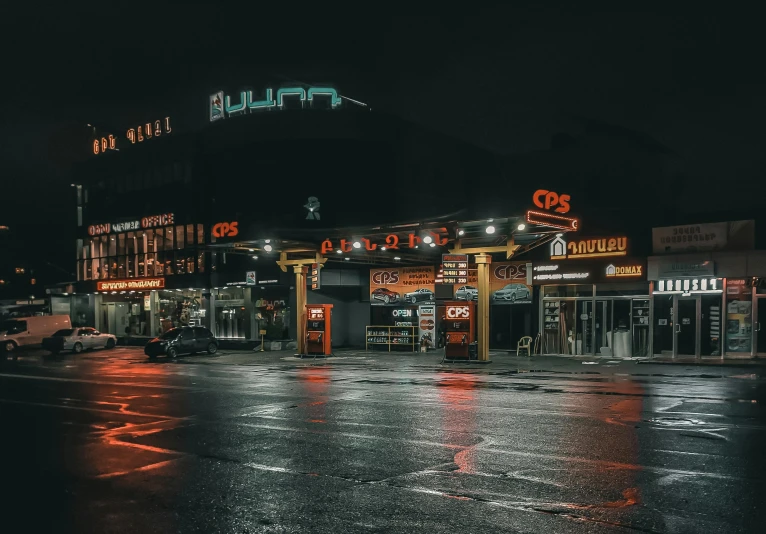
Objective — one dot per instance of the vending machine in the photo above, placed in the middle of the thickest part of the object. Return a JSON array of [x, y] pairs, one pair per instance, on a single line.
[[460, 329], [318, 329]]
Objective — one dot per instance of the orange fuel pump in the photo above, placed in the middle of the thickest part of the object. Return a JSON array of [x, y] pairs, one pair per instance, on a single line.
[[319, 329], [460, 329]]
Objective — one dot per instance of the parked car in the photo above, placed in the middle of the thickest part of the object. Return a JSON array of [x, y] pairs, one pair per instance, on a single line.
[[512, 292], [78, 340], [466, 293], [419, 295], [29, 331], [386, 295], [183, 340]]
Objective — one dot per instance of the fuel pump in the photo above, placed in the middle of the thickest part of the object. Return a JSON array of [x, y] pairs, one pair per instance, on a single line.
[[460, 319], [318, 329]]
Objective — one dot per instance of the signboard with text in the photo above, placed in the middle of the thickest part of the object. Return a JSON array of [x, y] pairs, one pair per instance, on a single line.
[[582, 272], [402, 285], [455, 268], [133, 284]]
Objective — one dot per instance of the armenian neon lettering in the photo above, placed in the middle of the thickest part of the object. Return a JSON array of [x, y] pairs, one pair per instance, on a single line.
[[438, 237], [222, 105]]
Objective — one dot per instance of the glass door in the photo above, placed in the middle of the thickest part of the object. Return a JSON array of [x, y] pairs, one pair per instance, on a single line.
[[686, 327], [662, 330], [583, 342], [760, 335], [603, 328]]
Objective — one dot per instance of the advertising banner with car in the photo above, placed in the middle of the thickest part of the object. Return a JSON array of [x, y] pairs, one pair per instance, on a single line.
[[507, 284], [402, 285]]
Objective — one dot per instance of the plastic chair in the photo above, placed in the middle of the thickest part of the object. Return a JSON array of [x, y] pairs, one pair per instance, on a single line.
[[524, 343]]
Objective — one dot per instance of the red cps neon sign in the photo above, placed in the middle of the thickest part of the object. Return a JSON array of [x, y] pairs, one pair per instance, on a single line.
[[458, 312], [548, 199]]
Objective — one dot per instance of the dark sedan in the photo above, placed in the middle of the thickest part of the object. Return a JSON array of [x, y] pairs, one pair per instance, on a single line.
[[184, 340]]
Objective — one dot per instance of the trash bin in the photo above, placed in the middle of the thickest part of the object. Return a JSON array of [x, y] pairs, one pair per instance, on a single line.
[[473, 351]]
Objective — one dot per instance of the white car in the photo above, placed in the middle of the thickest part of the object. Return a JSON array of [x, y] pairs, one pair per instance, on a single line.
[[78, 340], [512, 292], [466, 293]]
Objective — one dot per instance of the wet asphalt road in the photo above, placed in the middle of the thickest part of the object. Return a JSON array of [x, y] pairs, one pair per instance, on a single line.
[[108, 442]]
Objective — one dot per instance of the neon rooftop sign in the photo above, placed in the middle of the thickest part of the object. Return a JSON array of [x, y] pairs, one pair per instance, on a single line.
[[221, 105]]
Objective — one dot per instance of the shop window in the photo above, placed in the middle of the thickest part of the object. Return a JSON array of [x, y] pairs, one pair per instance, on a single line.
[[169, 267], [232, 319], [179, 237], [180, 260], [121, 270], [739, 317], [568, 291], [200, 261], [213, 261], [112, 267], [190, 235], [112, 246], [200, 234], [181, 308], [121, 246]]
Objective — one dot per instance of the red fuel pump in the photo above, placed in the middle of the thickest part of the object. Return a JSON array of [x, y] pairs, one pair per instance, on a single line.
[[460, 329], [318, 329]]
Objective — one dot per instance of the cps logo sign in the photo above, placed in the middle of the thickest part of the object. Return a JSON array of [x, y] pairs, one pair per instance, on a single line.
[[514, 271], [225, 229], [458, 312], [382, 278], [548, 199]]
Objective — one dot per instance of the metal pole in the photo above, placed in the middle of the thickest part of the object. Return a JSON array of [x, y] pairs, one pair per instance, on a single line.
[[483, 262], [300, 303]]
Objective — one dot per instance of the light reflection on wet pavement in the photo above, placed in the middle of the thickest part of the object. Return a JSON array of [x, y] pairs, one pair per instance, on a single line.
[[113, 444]]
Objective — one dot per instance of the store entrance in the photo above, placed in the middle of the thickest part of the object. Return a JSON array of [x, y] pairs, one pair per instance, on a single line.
[[687, 326]]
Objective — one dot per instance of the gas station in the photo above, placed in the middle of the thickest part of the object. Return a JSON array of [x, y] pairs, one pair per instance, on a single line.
[[477, 241]]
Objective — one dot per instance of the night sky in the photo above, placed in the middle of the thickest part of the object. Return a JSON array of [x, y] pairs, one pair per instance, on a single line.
[[505, 79]]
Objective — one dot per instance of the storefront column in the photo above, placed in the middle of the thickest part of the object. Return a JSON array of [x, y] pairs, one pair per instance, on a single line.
[[483, 262], [154, 304], [300, 304]]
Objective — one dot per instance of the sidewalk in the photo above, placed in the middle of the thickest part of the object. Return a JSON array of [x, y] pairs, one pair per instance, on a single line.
[[501, 362]]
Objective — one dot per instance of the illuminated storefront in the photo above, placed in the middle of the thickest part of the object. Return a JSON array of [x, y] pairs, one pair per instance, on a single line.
[[597, 307]]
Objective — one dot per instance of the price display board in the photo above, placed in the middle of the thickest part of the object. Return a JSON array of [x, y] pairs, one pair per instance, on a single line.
[[455, 268]]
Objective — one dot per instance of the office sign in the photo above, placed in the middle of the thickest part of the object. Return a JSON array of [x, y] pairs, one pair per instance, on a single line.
[[689, 286], [153, 221]]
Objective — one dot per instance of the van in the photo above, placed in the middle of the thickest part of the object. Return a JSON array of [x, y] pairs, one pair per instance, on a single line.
[[30, 331]]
